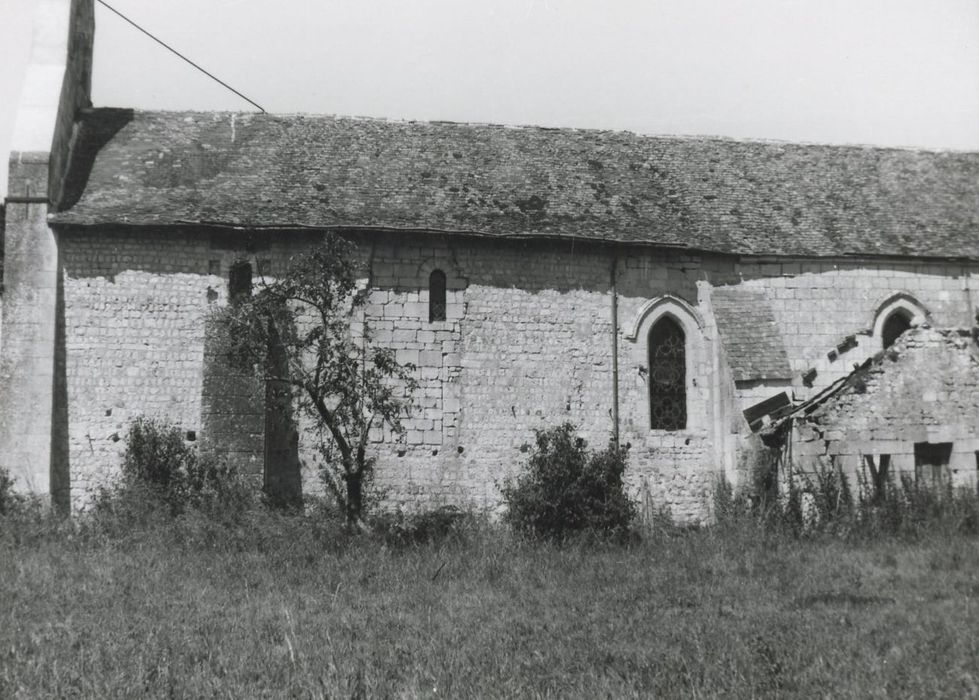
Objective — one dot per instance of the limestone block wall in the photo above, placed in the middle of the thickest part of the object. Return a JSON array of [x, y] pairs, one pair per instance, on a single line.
[[526, 343], [925, 389], [28, 430], [136, 319], [135, 313], [818, 304], [33, 443]]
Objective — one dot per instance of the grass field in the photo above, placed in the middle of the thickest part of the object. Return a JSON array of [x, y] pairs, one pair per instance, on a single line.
[[189, 610]]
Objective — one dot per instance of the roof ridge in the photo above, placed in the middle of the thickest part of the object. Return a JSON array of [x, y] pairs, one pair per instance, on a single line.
[[703, 138]]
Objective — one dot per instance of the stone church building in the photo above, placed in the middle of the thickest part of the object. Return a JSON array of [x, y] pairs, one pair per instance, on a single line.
[[675, 294]]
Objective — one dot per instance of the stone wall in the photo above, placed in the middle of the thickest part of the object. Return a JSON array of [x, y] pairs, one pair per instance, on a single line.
[[33, 439], [817, 305], [526, 343], [924, 389]]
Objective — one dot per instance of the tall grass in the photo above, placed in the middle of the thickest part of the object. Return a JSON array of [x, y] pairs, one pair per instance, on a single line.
[[267, 604], [273, 605], [822, 502], [823, 592]]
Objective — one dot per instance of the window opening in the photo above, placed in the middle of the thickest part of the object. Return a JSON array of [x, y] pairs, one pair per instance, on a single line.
[[240, 281], [667, 376], [436, 296], [931, 462], [894, 326]]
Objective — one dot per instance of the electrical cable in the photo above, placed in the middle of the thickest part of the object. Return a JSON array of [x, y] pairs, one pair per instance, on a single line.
[[174, 51]]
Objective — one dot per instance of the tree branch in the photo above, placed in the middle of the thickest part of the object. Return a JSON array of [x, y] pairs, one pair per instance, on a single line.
[[332, 426]]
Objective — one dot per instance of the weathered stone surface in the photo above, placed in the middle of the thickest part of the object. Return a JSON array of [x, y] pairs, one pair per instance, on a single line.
[[926, 389], [526, 344]]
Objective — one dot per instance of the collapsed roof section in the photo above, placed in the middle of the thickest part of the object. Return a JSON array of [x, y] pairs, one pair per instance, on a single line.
[[925, 378]]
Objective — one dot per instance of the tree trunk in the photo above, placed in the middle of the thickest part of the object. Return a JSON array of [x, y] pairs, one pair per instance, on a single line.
[[355, 498], [283, 470]]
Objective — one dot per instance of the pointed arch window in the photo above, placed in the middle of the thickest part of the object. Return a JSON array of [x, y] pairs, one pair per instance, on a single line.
[[667, 376], [436, 296], [894, 326]]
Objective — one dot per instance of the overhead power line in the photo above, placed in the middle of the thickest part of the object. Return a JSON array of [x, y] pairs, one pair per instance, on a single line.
[[177, 53]]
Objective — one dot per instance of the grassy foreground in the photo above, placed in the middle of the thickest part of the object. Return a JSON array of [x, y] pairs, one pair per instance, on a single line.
[[268, 611]]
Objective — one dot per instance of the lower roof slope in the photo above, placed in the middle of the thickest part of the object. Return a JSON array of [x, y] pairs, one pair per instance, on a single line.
[[738, 197], [749, 334]]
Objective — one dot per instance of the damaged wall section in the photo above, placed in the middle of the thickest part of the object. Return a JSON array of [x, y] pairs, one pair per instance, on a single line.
[[909, 405]]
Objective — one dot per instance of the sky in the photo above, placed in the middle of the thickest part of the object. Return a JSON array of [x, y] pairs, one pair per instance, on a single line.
[[885, 72]]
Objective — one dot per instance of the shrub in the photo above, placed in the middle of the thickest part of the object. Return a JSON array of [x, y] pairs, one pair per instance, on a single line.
[[159, 465], [566, 489]]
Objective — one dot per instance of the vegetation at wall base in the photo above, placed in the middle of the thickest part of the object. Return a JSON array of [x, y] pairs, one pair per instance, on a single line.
[[566, 489], [162, 472], [822, 502]]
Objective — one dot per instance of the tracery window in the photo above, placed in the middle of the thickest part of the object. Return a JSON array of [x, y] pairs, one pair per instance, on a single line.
[[667, 376], [436, 296]]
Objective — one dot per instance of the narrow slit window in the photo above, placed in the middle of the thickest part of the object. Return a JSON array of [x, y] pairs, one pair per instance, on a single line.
[[667, 376], [436, 296], [240, 281]]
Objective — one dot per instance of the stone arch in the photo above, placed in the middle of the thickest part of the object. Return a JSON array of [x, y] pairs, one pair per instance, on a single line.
[[650, 312], [896, 311], [436, 295], [454, 279], [690, 324], [450, 286]]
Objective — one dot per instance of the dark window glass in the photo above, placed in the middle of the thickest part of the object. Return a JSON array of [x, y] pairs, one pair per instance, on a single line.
[[436, 296], [895, 325], [240, 281], [667, 376]]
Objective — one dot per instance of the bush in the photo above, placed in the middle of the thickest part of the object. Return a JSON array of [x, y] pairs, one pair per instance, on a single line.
[[159, 466], [567, 489]]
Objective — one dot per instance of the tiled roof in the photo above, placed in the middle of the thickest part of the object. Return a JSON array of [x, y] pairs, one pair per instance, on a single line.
[[749, 334], [740, 197]]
